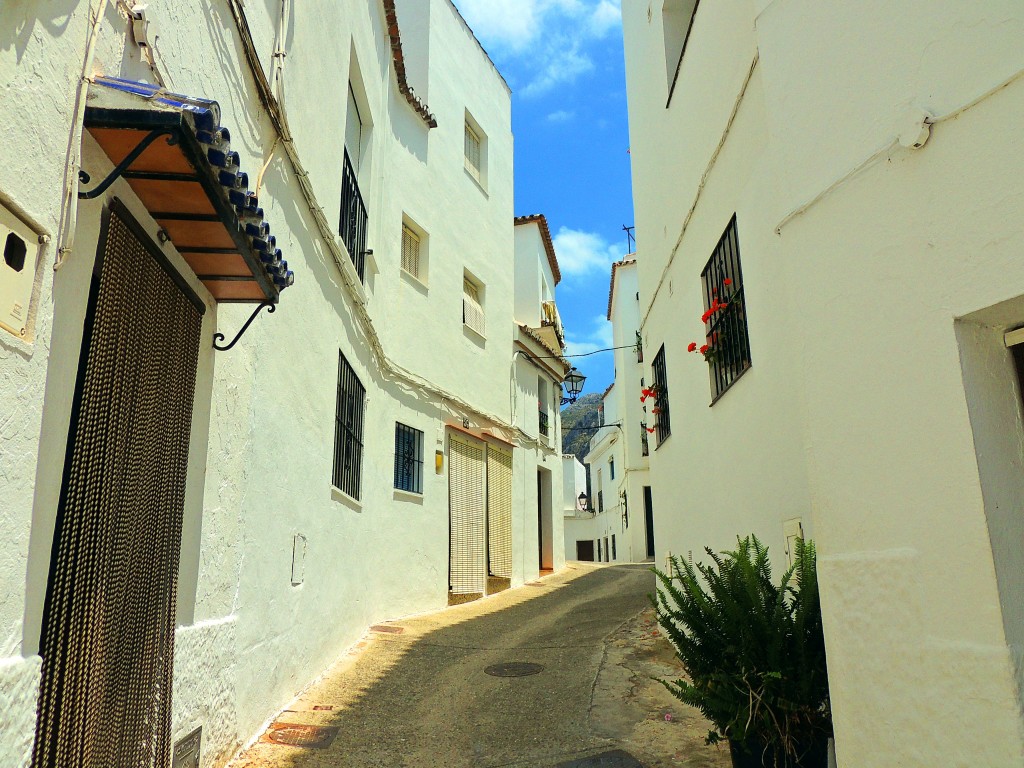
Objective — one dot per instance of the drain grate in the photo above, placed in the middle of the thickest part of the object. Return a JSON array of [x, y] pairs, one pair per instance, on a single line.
[[299, 735], [514, 669]]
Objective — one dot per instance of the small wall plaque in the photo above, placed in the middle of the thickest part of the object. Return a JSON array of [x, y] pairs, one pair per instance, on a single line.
[[186, 750]]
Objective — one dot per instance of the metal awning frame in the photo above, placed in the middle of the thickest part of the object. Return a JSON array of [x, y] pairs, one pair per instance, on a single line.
[[173, 124]]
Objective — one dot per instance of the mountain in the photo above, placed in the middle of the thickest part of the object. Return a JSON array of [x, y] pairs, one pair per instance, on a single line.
[[576, 419]]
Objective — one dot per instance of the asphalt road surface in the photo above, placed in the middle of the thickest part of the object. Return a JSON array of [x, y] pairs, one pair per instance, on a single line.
[[422, 697]]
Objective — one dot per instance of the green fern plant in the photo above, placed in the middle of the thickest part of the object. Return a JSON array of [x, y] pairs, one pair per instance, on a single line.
[[753, 651]]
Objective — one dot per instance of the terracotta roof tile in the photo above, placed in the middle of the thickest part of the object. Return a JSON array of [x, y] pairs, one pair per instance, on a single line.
[[420, 108], [545, 235]]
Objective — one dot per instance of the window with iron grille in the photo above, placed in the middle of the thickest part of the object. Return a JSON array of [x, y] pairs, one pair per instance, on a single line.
[[727, 337], [408, 459], [611, 469], [662, 423], [348, 430]]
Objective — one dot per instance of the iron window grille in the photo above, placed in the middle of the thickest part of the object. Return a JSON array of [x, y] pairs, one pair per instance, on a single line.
[[662, 422], [600, 501], [352, 226], [645, 448], [542, 420], [408, 459], [611, 469], [727, 335], [348, 430]]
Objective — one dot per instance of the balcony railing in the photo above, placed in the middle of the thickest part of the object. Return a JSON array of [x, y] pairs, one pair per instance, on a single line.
[[352, 227]]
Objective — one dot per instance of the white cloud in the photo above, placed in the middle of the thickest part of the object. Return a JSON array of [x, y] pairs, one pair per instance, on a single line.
[[582, 252], [561, 116], [597, 336], [502, 23], [561, 67], [548, 37]]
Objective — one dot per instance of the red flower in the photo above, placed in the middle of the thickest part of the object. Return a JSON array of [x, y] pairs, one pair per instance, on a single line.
[[727, 281], [704, 349], [722, 306], [650, 429], [692, 347], [655, 411], [705, 316]]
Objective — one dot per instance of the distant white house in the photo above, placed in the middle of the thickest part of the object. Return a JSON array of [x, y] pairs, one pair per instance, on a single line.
[[326, 195], [829, 200]]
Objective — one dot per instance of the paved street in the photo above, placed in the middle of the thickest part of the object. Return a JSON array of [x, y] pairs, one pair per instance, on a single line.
[[422, 697]]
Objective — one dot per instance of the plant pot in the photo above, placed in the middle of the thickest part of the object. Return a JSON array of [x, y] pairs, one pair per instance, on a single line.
[[753, 754]]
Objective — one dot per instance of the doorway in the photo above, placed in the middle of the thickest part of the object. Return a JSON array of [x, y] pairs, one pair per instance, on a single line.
[[108, 625], [649, 520], [545, 533]]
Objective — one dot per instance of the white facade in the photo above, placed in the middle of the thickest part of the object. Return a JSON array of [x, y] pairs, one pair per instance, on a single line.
[[278, 570], [868, 154], [536, 398], [634, 414]]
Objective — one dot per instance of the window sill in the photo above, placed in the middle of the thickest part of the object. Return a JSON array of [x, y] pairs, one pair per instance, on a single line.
[[341, 497], [732, 383], [419, 284], [414, 498], [476, 180]]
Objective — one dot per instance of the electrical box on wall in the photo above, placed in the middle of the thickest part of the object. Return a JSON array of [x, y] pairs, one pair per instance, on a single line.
[[20, 247]]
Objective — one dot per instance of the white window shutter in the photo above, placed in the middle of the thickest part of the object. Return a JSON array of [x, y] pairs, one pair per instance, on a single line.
[[410, 252]]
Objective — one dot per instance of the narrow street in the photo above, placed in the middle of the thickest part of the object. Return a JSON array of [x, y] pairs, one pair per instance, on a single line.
[[417, 694]]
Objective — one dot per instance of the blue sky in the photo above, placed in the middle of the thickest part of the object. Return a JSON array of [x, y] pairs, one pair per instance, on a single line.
[[563, 60]]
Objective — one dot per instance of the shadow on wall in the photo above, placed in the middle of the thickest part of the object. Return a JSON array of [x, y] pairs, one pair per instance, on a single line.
[[18, 19]]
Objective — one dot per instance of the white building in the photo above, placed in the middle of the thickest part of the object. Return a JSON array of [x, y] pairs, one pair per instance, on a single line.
[[222, 524], [634, 413], [863, 162]]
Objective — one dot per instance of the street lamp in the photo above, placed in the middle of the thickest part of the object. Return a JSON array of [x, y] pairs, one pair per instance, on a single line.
[[573, 385], [583, 503]]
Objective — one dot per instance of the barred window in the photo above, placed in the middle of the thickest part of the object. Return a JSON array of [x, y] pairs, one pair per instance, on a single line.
[[348, 430], [662, 423], [408, 459], [726, 329]]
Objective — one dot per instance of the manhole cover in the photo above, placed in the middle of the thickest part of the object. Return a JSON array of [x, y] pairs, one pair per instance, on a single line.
[[299, 735], [514, 669]]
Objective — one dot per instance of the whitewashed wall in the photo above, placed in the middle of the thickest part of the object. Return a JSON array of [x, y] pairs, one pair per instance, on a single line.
[[629, 373], [858, 256], [250, 639]]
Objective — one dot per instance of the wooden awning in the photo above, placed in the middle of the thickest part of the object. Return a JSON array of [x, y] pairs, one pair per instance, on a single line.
[[176, 156]]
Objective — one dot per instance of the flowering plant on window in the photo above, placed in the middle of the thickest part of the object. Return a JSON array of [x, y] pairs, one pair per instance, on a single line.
[[712, 347], [646, 392]]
